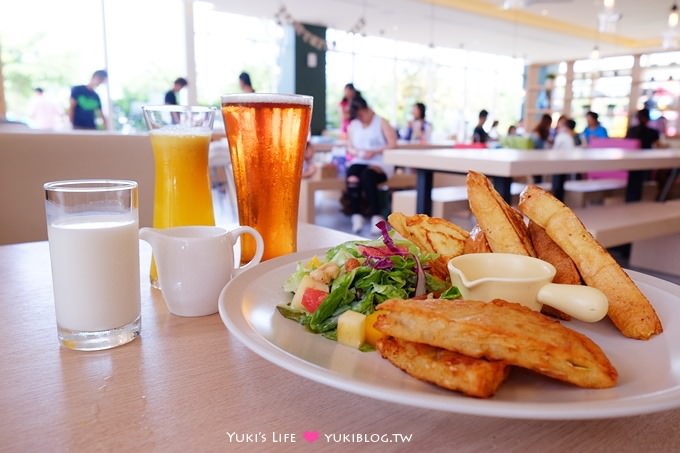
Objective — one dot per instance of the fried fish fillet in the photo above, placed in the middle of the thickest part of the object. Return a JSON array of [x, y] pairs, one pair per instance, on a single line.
[[431, 235], [503, 228], [476, 242], [629, 309], [500, 330], [473, 377]]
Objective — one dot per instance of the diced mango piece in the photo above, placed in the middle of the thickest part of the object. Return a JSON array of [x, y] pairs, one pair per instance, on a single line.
[[351, 328], [313, 263], [306, 282], [372, 335]]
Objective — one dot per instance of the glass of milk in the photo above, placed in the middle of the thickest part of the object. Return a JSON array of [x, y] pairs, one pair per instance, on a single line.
[[92, 226]]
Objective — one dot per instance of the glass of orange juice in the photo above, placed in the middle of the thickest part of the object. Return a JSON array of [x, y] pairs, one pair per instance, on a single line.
[[180, 139]]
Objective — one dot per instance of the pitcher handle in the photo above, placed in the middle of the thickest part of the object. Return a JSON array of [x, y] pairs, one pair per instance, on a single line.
[[582, 302], [259, 250]]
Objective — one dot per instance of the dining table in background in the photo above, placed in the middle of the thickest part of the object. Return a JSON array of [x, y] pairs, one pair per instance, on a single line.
[[505, 164], [187, 384]]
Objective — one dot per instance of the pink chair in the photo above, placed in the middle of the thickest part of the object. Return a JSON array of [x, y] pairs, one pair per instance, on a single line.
[[621, 143], [469, 146]]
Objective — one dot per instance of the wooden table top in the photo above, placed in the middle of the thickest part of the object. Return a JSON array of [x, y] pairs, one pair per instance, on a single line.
[[186, 384], [513, 162]]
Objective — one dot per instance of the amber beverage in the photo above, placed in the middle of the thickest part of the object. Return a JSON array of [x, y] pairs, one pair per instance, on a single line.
[[267, 134]]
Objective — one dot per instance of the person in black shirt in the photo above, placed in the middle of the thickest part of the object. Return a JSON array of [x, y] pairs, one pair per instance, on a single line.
[[479, 135], [85, 103], [171, 95], [649, 138], [245, 83]]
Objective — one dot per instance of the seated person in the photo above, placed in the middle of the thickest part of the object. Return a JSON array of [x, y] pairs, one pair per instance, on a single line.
[[368, 136], [594, 128], [649, 138], [308, 166], [479, 135], [419, 130], [565, 138]]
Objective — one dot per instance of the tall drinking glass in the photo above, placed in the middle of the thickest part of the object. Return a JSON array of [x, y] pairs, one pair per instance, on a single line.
[[92, 227], [267, 134], [180, 138]]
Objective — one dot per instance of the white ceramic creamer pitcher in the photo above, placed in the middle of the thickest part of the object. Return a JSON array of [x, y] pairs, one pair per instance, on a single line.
[[195, 263], [524, 280]]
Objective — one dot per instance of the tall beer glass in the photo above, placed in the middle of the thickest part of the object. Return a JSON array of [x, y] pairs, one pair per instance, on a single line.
[[267, 135], [180, 138]]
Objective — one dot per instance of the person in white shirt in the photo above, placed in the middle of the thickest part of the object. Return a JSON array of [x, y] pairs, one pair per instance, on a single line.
[[368, 136], [565, 138], [43, 112]]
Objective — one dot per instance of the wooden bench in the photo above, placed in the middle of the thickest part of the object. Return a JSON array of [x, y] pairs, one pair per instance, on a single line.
[[579, 194], [659, 254], [309, 187], [446, 200], [631, 222]]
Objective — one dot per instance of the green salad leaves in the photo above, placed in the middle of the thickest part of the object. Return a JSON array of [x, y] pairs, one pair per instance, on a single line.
[[370, 272]]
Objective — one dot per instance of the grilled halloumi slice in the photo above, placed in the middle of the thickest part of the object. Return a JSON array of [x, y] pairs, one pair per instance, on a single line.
[[431, 235]]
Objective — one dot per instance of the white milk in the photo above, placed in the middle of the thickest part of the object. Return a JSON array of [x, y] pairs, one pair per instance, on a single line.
[[95, 272]]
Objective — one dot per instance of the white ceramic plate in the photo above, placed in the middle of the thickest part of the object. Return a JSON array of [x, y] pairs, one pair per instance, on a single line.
[[649, 371]]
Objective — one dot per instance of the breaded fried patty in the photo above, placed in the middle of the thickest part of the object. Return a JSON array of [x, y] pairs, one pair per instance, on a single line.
[[473, 377], [500, 330]]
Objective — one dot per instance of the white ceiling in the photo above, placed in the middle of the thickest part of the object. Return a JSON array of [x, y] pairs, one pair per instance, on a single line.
[[440, 22]]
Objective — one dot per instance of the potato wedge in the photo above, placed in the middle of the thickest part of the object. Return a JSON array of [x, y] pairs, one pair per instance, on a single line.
[[431, 235], [547, 250], [503, 227], [476, 242], [629, 309]]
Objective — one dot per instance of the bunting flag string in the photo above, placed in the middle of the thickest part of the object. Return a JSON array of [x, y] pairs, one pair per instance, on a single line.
[[283, 16]]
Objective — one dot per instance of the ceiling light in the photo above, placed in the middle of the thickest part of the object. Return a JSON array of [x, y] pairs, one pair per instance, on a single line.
[[673, 16], [670, 39], [513, 4], [607, 21], [609, 4], [595, 53]]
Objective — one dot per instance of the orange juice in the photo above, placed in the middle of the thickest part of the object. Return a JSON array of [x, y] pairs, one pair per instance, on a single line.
[[182, 193]]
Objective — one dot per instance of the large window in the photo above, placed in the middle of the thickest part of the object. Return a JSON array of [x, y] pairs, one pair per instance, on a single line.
[[227, 44], [142, 43], [48, 45], [146, 53], [453, 83], [55, 45]]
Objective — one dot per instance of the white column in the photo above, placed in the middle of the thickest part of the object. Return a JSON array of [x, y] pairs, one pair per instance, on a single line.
[[108, 109], [3, 105], [190, 51]]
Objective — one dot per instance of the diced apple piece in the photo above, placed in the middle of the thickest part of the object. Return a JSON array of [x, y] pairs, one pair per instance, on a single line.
[[306, 282], [351, 328]]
